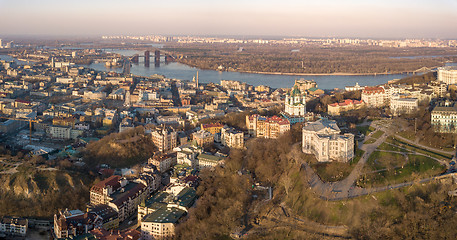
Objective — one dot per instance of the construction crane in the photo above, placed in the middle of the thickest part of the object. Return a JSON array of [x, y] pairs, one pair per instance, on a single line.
[[24, 120]]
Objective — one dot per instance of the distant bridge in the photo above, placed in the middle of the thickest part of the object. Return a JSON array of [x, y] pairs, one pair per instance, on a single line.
[[157, 53]]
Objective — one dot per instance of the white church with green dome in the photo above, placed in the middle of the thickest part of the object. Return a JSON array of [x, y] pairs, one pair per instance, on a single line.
[[295, 106]]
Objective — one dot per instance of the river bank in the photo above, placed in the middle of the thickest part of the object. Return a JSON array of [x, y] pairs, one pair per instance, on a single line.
[[299, 74]]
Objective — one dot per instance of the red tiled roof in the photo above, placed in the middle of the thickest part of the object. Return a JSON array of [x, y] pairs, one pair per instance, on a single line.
[[22, 101], [112, 181], [279, 120], [370, 90], [346, 103]]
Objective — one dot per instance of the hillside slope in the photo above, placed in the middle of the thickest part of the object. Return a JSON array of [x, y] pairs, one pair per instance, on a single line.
[[40, 193]]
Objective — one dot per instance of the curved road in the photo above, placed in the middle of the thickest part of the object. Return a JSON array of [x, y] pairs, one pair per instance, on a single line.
[[345, 188]]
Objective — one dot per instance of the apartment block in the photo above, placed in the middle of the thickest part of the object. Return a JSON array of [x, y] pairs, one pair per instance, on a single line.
[[230, 137], [266, 127], [164, 138]]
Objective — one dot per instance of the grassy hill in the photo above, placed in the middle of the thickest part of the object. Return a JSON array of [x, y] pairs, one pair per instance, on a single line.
[[120, 149], [40, 193]]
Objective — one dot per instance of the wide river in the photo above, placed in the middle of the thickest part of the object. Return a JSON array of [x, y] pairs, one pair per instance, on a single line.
[[182, 71], [185, 72]]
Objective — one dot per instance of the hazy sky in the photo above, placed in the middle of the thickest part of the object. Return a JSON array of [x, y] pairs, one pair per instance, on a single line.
[[341, 18]]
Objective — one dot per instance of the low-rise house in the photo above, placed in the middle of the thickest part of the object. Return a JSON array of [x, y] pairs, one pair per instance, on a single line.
[[208, 161], [14, 226], [163, 162], [74, 223], [187, 155], [203, 138], [213, 128]]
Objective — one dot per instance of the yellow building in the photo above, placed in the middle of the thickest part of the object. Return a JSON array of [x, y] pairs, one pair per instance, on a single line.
[[62, 121], [348, 104], [213, 128]]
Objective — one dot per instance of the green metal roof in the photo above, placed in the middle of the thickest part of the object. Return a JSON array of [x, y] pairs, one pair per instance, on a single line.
[[296, 91], [210, 158], [165, 215]]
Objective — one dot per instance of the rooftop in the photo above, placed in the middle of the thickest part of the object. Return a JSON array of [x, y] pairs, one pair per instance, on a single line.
[[130, 190], [209, 157], [165, 215], [112, 181], [321, 124]]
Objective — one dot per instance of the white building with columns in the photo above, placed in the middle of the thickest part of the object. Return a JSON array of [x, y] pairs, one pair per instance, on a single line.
[[447, 75], [323, 139]]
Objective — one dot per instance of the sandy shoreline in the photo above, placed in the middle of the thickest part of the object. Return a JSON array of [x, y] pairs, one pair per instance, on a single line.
[[302, 74], [319, 74]]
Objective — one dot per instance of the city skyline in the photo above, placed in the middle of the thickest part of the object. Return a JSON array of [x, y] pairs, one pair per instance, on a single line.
[[329, 18]]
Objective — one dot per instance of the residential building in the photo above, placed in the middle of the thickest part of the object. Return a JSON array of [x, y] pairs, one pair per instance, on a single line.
[[232, 138], [14, 226], [74, 223], [444, 117], [213, 128], [400, 105], [195, 157], [65, 122], [126, 200], [163, 162], [323, 139], [100, 192], [439, 88], [266, 127], [304, 85], [187, 155], [120, 194], [109, 216], [126, 124], [203, 138], [447, 75], [234, 85], [347, 105], [10, 126], [59, 132], [164, 138], [208, 161], [161, 223], [183, 198], [263, 88], [374, 96]]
